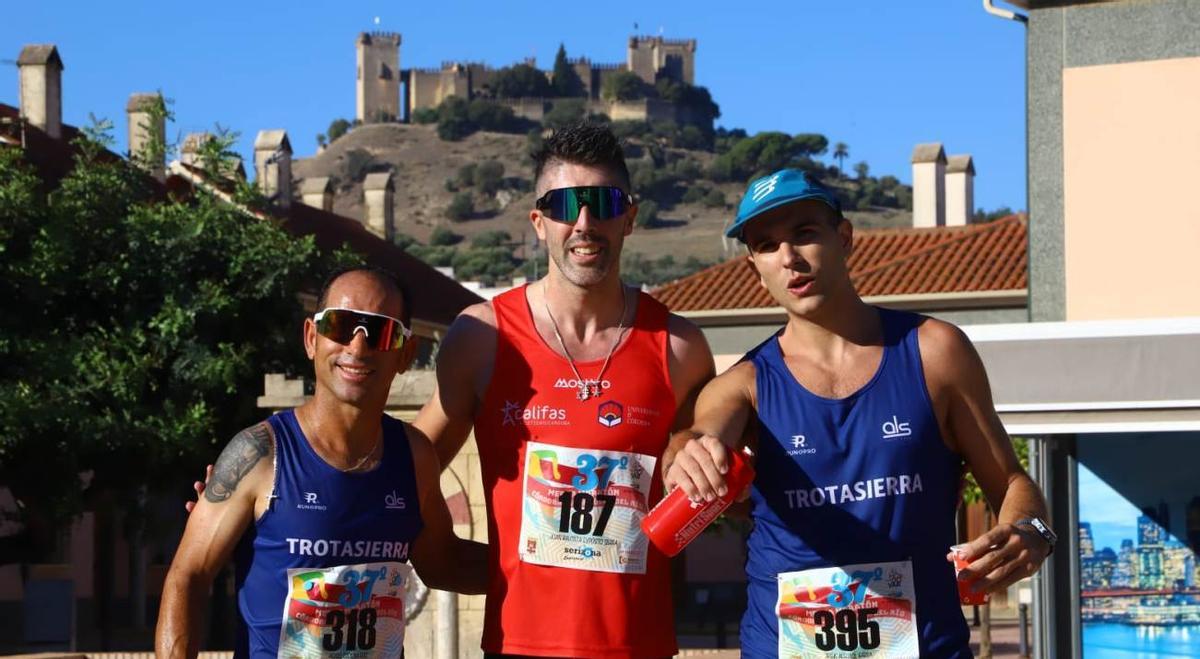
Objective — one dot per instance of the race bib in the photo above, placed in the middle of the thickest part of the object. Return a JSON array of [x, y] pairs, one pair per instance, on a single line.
[[866, 610], [352, 611], [583, 509]]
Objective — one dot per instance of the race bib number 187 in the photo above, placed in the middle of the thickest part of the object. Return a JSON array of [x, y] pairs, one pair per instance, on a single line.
[[353, 611], [866, 610], [583, 509]]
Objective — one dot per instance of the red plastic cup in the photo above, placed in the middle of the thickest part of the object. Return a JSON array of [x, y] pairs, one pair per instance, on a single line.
[[677, 520], [965, 595]]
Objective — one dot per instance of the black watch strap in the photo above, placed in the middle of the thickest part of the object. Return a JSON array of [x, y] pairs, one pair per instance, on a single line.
[[1041, 528]]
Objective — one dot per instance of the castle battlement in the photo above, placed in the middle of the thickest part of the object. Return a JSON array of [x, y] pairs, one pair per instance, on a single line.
[[647, 40], [379, 35], [608, 66]]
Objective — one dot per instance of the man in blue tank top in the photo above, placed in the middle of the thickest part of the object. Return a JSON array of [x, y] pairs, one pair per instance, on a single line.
[[863, 420], [325, 505]]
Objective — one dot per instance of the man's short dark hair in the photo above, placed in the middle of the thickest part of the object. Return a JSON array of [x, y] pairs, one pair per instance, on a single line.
[[582, 143], [383, 276]]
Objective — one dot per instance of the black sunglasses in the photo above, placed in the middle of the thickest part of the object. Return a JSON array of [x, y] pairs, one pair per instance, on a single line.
[[604, 202], [381, 332]]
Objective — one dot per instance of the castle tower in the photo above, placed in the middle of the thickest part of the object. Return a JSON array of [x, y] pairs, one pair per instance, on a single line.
[[652, 57], [378, 79]]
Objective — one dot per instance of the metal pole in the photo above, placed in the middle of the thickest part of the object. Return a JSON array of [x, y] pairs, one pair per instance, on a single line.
[[1023, 610], [446, 640]]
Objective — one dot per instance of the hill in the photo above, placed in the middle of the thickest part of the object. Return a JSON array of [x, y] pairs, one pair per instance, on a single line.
[[693, 209]]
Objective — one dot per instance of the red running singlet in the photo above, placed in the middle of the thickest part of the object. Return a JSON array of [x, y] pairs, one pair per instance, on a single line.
[[567, 483]]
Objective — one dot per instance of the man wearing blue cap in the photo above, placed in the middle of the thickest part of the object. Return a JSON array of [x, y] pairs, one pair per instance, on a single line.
[[862, 419]]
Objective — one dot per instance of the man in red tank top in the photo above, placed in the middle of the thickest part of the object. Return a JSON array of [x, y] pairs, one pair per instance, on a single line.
[[573, 385]]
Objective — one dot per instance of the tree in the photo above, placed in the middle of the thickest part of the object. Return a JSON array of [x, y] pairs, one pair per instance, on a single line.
[[624, 86], [565, 112], [140, 345], [494, 238], [647, 213], [337, 128], [521, 80], [462, 207], [565, 80], [489, 175], [442, 236], [453, 122], [861, 170], [840, 153]]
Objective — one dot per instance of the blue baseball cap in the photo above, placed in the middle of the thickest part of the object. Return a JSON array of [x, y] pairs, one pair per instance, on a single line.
[[774, 190]]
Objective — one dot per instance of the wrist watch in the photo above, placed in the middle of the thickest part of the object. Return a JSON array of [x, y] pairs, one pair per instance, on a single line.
[[1041, 528]]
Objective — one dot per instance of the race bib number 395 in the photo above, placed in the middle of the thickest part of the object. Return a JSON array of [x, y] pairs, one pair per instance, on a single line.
[[583, 509], [866, 610], [352, 611]]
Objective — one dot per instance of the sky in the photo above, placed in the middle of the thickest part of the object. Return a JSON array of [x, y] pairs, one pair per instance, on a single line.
[[1112, 516], [879, 76]]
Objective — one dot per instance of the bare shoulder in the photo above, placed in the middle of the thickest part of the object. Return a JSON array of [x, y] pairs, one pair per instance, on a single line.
[[686, 337], [246, 459], [741, 375], [471, 336], [947, 353]]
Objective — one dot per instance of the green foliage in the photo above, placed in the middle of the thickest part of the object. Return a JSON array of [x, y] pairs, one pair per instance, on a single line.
[[840, 152], [714, 199], [494, 238], [625, 86], [458, 118], [625, 129], [637, 269], [466, 176], [766, 152], [140, 342], [862, 170], [425, 116], [337, 128], [565, 81], [647, 214], [487, 264], [565, 112], [489, 176], [442, 236], [991, 216], [520, 80], [694, 194], [438, 256], [403, 240], [462, 207], [695, 102]]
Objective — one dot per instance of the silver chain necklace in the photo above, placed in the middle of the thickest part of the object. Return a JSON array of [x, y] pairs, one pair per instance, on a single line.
[[588, 388]]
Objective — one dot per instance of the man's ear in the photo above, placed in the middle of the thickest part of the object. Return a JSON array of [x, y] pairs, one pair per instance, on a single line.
[[754, 269], [845, 232], [631, 220], [539, 224], [310, 338]]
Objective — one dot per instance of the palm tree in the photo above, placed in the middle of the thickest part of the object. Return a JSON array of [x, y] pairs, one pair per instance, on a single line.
[[840, 153]]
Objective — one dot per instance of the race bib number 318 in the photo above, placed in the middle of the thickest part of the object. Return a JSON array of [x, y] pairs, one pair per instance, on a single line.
[[351, 611], [583, 509], [866, 610]]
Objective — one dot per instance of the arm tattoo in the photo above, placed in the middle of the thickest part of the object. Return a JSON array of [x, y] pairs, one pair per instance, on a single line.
[[239, 457]]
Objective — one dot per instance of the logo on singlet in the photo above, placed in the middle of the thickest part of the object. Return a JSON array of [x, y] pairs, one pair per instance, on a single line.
[[800, 446], [311, 502], [393, 502], [609, 414], [895, 428], [516, 414]]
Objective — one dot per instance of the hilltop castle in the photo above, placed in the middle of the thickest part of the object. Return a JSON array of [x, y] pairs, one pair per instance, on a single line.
[[385, 92]]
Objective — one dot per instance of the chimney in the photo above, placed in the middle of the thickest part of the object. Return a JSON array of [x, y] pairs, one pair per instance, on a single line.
[[146, 114], [378, 193], [273, 166], [317, 192], [960, 190], [189, 151], [929, 185], [41, 87]]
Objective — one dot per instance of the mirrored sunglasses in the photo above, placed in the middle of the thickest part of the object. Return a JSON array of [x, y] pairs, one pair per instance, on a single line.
[[604, 202], [381, 332]]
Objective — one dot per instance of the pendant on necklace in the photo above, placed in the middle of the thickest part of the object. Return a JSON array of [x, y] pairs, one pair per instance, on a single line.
[[585, 391]]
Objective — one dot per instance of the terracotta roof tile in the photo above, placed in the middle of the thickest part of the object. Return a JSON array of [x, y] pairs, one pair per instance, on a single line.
[[973, 258]]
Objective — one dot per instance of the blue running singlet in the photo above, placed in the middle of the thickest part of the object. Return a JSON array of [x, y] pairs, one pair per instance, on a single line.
[[323, 572], [853, 505]]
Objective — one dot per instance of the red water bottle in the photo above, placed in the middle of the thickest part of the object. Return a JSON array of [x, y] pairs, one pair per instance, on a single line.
[[677, 520]]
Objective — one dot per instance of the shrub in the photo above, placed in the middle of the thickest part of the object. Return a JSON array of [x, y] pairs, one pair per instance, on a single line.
[[462, 207]]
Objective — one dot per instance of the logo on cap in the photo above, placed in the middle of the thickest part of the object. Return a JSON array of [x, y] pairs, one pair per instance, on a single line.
[[764, 188]]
